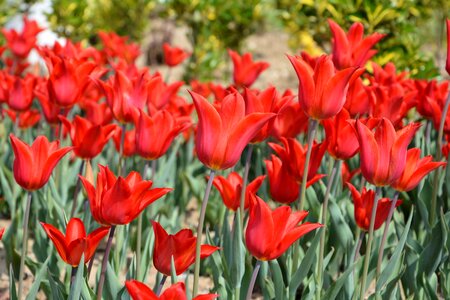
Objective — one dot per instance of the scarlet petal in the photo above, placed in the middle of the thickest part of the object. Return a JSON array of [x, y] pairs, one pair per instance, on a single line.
[[369, 151], [58, 240], [139, 291], [93, 239], [293, 236], [74, 230]]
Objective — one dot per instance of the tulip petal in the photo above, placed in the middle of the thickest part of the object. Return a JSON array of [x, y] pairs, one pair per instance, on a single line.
[[58, 240], [369, 152], [139, 291]]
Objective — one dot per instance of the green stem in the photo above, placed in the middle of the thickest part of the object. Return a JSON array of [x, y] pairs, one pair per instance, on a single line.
[[72, 276], [101, 281], [161, 284], [200, 232], [438, 158], [248, 159], [253, 280], [323, 231], [311, 135], [369, 243], [385, 233], [77, 190], [24, 244]]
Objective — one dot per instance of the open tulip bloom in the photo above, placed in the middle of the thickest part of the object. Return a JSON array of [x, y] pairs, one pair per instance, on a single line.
[[75, 242], [139, 291]]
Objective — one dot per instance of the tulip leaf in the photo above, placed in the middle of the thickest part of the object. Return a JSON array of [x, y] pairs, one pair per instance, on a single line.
[[37, 280], [334, 289], [12, 284], [278, 281], [173, 270], [56, 287], [394, 260], [112, 283], [340, 227], [305, 265]]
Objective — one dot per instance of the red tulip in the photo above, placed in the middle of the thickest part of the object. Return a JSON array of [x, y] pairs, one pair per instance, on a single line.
[[154, 134], [348, 174], [180, 246], [20, 44], [342, 141], [161, 93], [358, 98], [284, 188], [49, 109], [262, 102], [27, 118], [383, 153], [202, 88], [6, 83], [245, 70], [293, 155], [415, 170], [230, 189], [174, 56], [270, 233], [177, 291], [21, 93], [87, 138], [291, 120], [34, 165], [351, 49], [322, 90], [2, 231], [447, 64], [98, 113], [75, 243], [129, 145], [116, 46], [67, 79], [126, 96], [363, 208], [118, 201], [223, 134]]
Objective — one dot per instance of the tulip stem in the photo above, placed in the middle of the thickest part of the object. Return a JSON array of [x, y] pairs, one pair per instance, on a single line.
[[72, 276], [122, 145], [323, 231], [369, 243], [200, 232], [312, 128], [23, 254], [248, 159], [385, 233], [253, 280], [77, 190], [101, 281], [438, 158], [161, 284]]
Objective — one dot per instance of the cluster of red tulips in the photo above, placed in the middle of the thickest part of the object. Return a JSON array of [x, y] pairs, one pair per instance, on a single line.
[[352, 113]]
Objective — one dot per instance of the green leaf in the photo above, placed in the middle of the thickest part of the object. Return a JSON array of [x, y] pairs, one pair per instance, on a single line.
[[112, 283], [278, 281], [390, 267], [334, 289], [173, 271], [37, 280], [12, 284], [305, 265], [75, 289], [56, 287]]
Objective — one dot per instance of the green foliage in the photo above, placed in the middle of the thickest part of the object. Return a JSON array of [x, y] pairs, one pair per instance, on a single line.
[[81, 20], [406, 23], [214, 26]]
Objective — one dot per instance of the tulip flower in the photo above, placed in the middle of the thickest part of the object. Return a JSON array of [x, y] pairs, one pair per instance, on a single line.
[[348, 174], [27, 118], [342, 141], [284, 188], [20, 44], [34, 164], [230, 189], [383, 152], [415, 170], [98, 113], [2, 231], [21, 93], [177, 291], [88, 139], [118, 201], [202, 88], [223, 134], [174, 56], [245, 70], [270, 233], [67, 80], [291, 120], [49, 109], [161, 93], [351, 49], [322, 90], [363, 208], [293, 155], [180, 246], [154, 134], [129, 145], [126, 96], [116, 46], [75, 243], [358, 98], [447, 64]]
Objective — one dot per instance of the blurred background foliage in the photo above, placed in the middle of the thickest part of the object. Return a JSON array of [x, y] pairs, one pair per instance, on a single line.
[[414, 28]]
